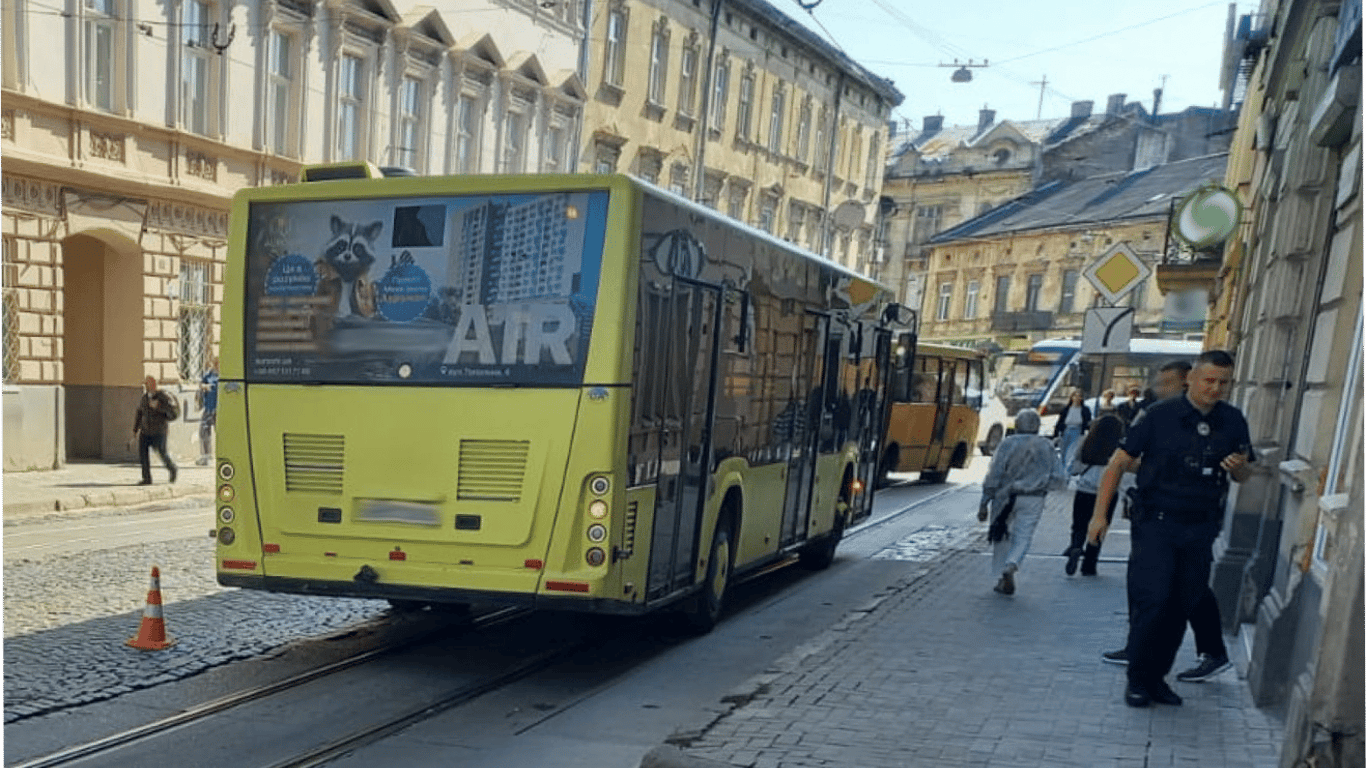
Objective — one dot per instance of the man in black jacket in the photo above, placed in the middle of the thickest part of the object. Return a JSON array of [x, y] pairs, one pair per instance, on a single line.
[[156, 409]]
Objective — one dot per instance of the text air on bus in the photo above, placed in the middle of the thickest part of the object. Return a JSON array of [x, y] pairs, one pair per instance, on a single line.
[[575, 391]]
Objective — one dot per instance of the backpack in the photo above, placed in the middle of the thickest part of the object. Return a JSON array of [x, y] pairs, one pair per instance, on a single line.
[[172, 407]]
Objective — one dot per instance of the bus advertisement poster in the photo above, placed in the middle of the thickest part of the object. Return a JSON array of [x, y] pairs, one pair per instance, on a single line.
[[475, 289]]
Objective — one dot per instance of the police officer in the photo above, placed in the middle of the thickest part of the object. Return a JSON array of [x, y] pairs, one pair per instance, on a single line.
[[1190, 448]]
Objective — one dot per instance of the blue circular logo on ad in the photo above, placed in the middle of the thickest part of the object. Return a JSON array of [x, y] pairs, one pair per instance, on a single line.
[[404, 292], [291, 275]]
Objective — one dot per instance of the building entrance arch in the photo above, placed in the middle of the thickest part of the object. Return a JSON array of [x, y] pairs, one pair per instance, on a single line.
[[102, 350]]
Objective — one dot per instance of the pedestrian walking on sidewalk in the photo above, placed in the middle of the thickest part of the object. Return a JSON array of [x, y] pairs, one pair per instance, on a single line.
[[155, 411], [1073, 421], [1087, 465], [1191, 447], [208, 417], [1022, 470]]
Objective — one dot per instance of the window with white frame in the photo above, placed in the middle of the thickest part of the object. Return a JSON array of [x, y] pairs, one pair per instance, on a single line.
[[1033, 289], [796, 220], [282, 92], [196, 84], [804, 130], [768, 212], [351, 98], [775, 119], [678, 179], [744, 111], [659, 61], [614, 53], [970, 301], [467, 134], [514, 142], [103, 54], [196, 319], [554, 148], [735, 201], [605, 157], [720, 85], [945, 299], [822, 143], [649, 163], [687, 78], [407, 152]]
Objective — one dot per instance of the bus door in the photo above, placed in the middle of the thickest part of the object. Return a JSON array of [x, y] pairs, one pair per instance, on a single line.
[[874, 409], [691, 320], [942, 406], [815, 415]]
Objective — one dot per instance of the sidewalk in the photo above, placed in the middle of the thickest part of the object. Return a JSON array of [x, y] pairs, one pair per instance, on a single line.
[[87, 485], [941, 671]]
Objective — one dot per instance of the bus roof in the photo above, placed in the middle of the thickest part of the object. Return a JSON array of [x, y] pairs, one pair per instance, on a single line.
[[948, 350], [1137, 344]]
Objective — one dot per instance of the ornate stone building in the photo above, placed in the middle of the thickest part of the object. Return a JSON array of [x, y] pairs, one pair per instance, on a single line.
[[739, 107], [126, 126], [1288, 300]]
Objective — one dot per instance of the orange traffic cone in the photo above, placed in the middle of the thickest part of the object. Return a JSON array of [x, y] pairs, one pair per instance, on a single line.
[[152, 632]]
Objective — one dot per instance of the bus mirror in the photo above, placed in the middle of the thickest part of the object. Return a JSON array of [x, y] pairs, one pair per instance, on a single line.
[[898, 314]]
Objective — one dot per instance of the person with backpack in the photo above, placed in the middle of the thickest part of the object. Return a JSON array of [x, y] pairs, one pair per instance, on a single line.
[[1086, 466], [156, 410]]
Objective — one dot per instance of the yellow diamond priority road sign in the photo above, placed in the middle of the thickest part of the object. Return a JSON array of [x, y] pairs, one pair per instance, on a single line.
[[1117, 272]]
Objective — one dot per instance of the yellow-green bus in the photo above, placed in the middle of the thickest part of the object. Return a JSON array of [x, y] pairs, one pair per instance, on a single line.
[[935, 398], [574, 391]]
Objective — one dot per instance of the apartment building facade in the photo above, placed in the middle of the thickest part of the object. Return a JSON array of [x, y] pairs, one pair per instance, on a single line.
[[127, 125], [735, 105]]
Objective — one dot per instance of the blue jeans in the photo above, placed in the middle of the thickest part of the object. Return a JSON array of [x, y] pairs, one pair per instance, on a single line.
[[158, 444]]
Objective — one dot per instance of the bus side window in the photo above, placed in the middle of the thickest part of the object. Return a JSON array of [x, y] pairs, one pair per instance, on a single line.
[[975, 384], [925, 384]]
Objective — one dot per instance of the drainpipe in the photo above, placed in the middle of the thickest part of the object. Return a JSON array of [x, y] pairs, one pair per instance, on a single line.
[[826, 220], [704, 116]]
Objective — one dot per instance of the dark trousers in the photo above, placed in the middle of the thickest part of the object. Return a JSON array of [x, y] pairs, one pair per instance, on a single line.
[[1206, 626], [157, 443], [1083, 504], [1169, 566]]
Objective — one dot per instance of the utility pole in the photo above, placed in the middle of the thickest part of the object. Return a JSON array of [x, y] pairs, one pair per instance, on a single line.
[[1042, 85]]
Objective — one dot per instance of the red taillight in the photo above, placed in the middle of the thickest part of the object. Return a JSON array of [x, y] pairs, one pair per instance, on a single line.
[[534, 564], [398, 554], [270, 549], [239, 565], [567, 586]]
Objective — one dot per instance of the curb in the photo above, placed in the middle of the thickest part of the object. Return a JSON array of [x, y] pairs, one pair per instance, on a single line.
[[124, 497]]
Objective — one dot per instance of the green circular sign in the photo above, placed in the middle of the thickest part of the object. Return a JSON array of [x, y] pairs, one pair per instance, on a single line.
[[1207, 217]]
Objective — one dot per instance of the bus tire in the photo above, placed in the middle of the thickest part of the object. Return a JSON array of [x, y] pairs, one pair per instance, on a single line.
[[994, 436], [704, 609], [890, 457], [820, 554]]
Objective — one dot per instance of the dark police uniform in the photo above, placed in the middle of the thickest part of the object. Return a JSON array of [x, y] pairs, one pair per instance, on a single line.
[[1178, 508]]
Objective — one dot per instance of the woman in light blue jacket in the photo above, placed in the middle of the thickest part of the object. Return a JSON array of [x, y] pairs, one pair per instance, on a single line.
[[1087, 465], [1023, 469]]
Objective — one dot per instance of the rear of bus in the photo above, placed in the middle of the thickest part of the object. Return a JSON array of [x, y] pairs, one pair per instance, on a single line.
[[423, 388], [936, 394]]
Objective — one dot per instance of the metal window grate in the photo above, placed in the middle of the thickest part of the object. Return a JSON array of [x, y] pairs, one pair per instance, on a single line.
[[491, 470], [196, 320], [314, 463], [10, 297]]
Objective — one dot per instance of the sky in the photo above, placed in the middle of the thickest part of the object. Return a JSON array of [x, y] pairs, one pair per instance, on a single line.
[[1086, 51]]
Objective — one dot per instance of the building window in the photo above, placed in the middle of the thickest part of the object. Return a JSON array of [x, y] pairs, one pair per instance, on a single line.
[[775, 120], [928, 220], [659, 61], [10, 295], [822, 148], [735, 202], [744, 111], [467, 134], [649, 164], [796, 220], [768, 212], [720, 89], [514, 143], [281, 88], [1032, 291], [614, 67], [874, 162], [945, 299], [196, 319], [101, 54], [196, 68], [1069, 291], [351, 108], [804, 131], [970, 303], [1001, 301], [855, 151], [678, 179], [554, 148], [687, 79], [410, 103]]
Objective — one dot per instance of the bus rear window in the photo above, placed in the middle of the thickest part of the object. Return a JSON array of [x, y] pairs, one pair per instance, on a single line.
[[478, 289]]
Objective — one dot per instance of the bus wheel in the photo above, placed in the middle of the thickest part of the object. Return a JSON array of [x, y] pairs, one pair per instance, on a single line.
[[885, 467], [819, 554], [704, 610], [994, 435]]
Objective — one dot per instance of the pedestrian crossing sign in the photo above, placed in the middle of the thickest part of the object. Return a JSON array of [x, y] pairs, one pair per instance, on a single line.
[[1117, 272]]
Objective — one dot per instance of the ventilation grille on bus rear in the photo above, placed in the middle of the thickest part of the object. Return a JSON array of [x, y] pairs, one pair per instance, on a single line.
[[313, 463], [491, 470]]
